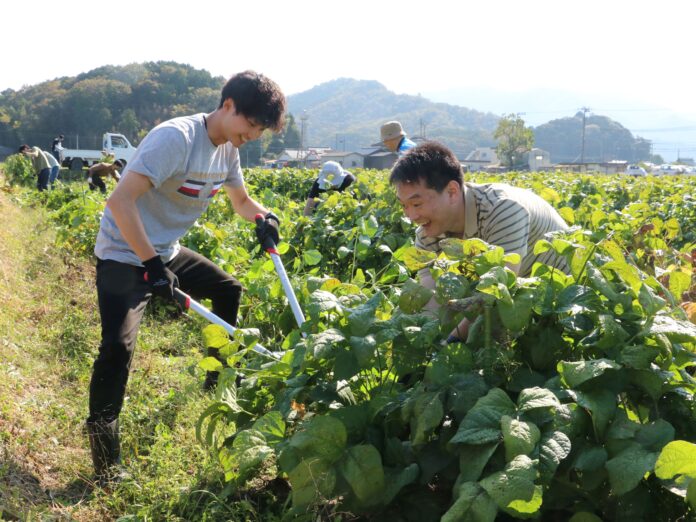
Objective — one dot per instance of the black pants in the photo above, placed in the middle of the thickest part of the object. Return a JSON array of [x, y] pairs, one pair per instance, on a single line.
[[98, 182], [42, 179], [123, 294]]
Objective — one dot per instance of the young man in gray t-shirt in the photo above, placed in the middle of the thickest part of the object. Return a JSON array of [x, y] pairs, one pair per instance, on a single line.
[[179, 166]]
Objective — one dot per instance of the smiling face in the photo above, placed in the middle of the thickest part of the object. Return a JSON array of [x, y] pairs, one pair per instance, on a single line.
[[236, 127], [436, 212]]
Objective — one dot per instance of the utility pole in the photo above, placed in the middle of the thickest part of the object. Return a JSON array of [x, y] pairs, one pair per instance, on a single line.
[[303, 156], [584, 110]]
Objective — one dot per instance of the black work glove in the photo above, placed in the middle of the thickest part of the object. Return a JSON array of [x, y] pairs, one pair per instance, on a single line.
[[267, 231], [162, 280]]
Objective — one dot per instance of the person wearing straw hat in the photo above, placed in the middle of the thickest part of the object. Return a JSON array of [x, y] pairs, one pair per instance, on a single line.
[[394, 138], [331, 177]]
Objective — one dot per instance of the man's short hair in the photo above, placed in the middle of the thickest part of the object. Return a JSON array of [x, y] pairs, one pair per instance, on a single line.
[[257, 98], [118, 163], [24, 147], [430, 161]]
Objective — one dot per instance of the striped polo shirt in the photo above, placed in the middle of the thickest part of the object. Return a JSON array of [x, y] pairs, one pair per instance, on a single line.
[[509, 217]]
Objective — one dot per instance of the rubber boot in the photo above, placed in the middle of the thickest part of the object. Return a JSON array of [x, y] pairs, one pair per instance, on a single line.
[[106, 452]]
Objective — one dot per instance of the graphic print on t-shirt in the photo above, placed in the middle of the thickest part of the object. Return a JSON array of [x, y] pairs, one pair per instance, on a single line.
[[199, 189]]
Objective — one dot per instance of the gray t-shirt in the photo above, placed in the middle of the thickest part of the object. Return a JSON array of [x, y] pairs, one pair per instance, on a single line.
[[186, 171]]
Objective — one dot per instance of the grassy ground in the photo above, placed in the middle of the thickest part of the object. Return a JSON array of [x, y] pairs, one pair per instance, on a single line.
[[49, 333]]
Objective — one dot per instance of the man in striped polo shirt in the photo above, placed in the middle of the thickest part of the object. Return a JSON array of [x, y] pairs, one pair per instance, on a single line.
[[430, 186]]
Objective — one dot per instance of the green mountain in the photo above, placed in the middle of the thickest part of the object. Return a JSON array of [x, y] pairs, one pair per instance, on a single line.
[[346, 114], [130, 99], [605, 139]]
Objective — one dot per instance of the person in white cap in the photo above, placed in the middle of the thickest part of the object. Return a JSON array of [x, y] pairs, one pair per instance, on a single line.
[[331, 177], [394, 138]]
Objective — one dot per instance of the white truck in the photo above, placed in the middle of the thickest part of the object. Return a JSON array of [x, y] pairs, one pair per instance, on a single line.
[[116, 144]]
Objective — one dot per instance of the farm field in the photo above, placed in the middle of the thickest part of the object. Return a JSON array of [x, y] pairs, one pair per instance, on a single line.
[[572, 399]]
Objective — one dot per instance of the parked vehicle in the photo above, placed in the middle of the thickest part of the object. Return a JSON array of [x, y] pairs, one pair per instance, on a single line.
[[636, 170], [112, 143], [668, 170]]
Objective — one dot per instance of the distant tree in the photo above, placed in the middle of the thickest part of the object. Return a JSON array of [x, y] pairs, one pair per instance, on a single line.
[[656, 159], [514, 140], [275, 146], [129, 124], [291, 136]]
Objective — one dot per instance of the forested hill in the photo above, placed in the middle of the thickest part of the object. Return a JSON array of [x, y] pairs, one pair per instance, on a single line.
[[353, 110], [605, 139], [129, 99], [344, 114]]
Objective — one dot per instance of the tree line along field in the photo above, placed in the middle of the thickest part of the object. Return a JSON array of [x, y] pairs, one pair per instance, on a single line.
[[572, 398]]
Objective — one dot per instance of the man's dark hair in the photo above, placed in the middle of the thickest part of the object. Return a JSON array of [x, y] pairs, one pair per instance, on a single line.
[[257, 98], [24, 147], [119, 164], [430, 161]]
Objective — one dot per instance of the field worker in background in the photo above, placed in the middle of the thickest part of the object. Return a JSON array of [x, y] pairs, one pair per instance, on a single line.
[[178, 168], [57, 148], [55, 168], [98, 171], [394, 138], [431, 188], [42, 167], [331, 177]]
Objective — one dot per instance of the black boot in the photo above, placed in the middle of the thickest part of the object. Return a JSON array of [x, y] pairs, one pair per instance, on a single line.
[[106, 451]]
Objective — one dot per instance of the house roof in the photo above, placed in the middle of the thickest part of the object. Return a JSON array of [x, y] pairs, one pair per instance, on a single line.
[[341, 154]]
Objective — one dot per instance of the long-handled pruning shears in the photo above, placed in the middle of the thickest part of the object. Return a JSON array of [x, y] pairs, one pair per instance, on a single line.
[[270, 247]]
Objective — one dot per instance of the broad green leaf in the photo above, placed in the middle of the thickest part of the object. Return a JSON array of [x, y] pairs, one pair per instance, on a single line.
[[613, 334], [533, 398], [516, 315], [361, 467], [271, 426], [312, 480], [554, 447], [650, 302], [427, 414], [602, 406], [415, 259], [369, 226], [675, 330], [249, 450], [519, 437], [515, 482], [362, 317], [414, 297], [639, 356], [679, 282], [626, 272], [451, 286], [472, 504], [215, 336], [494, 282], [343, 251], [578, 372], [575, 299], [526, 508], [628, 468], [321, 437], [364, 350], [324, 344], [656, 435], [482, 424], [311, 257], [567, 214], [677, 458], [322, 301], [395, 481], [210, 364], [473, 459], [591, 458]]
